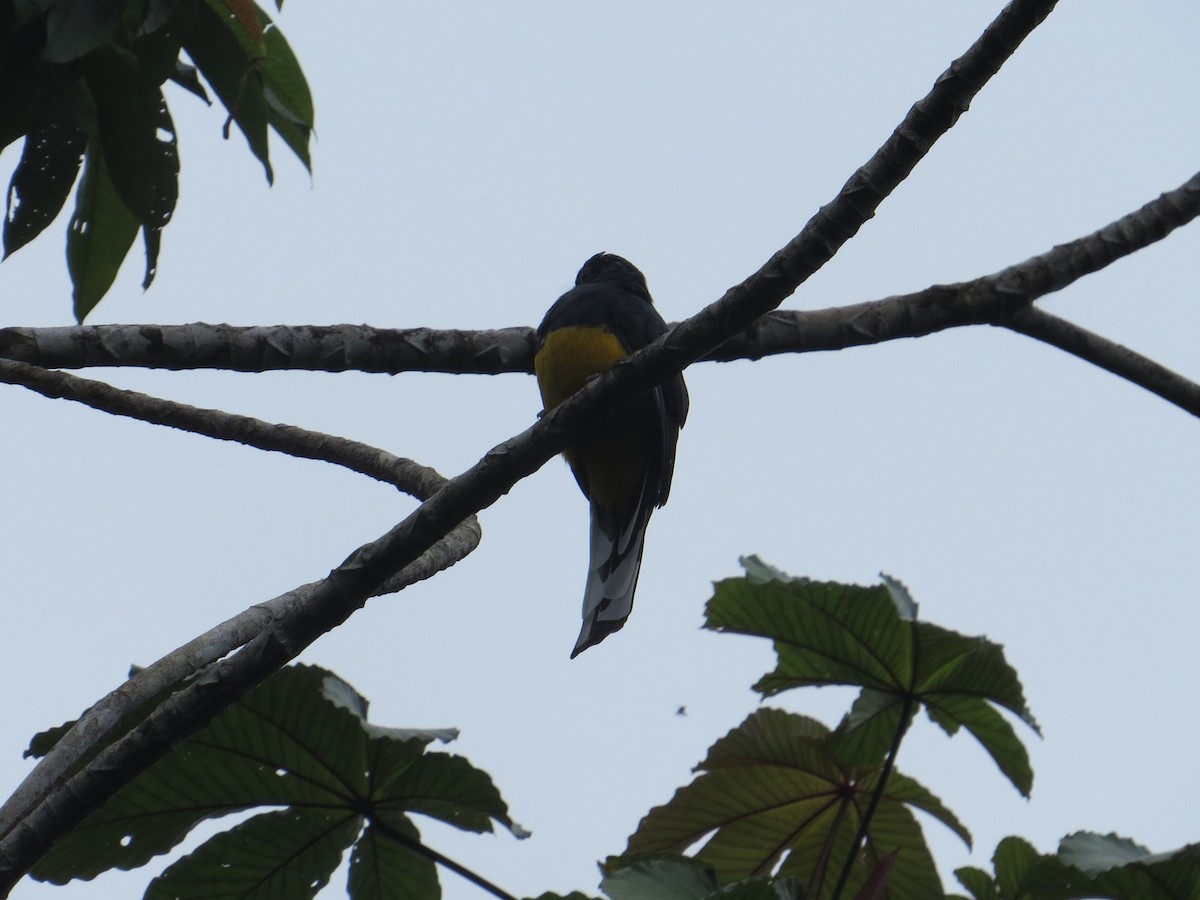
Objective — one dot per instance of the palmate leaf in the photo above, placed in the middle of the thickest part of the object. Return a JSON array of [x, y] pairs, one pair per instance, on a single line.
[[868, 637], [298, 745], [774, 793], [1105, 867]]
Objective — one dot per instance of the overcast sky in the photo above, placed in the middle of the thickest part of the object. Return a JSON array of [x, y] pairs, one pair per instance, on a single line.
[[469, 157]]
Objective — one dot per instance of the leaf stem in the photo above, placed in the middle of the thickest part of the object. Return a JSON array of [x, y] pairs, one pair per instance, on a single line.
[[429, 853], [876, 795]]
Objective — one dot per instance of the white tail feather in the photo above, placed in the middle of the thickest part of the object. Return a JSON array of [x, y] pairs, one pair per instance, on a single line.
[[608, 595]]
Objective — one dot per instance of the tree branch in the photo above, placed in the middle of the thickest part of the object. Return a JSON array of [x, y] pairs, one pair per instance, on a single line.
[[991, 299], [266, 348], [1108, 355], [109, 715], [332, 600], [410, 477]]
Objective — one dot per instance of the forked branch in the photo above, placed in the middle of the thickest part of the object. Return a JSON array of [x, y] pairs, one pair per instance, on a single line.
[[329, 602]]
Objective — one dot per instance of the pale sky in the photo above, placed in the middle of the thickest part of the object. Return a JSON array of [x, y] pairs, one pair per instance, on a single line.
[[469, 158]]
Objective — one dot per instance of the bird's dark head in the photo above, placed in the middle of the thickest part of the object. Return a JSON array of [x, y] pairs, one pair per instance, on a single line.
[[608, 268]]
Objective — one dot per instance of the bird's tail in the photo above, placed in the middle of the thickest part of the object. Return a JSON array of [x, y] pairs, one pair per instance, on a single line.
[[616, 561]]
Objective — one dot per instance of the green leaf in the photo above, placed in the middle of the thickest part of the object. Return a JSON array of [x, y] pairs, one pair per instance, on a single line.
[[827, 633], [136, 135], [763, 889], [773, 792], [188, 78], [659, 877], [824, 632], [1107, 867], [978, 882], [675, 877], [159, 14], [290, 853], [48, 167], [1116, 867], [382, 868], [1094, 854], [990, 729], [444, 787], [289, 101], [217, 43], [871, 726], [876, 886], [298, 742], [74, 28], [100, 234], [251, 67]]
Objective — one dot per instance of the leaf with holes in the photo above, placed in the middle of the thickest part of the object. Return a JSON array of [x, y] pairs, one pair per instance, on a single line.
[[49, 165]]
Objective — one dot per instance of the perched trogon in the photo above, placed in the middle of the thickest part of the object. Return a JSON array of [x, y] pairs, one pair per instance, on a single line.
[[624, 460]]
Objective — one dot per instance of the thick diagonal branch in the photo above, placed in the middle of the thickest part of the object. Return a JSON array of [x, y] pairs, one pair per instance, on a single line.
[[332, 600], [108, 716]]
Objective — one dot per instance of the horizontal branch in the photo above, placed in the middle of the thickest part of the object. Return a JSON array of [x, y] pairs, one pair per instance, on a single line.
[[331, 601], [267, 348], [989, 299]]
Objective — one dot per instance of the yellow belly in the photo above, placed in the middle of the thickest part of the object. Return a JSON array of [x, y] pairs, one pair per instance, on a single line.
[[609, 459], [569, 357]]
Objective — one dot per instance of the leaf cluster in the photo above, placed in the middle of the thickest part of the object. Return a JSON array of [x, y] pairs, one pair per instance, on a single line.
[[784, 795], [1101, 866], [82, 83], [782, 807], [298, 753]]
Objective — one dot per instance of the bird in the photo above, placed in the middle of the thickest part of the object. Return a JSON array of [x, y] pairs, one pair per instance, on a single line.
[[624, 460]]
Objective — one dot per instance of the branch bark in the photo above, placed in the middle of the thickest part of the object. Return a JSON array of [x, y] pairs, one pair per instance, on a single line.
[[267, 348], [330, 601], [111, 714], [995, 299], [1108, 355]]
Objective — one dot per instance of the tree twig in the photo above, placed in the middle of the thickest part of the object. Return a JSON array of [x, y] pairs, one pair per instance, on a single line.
[[332, 600], [1108, 355]]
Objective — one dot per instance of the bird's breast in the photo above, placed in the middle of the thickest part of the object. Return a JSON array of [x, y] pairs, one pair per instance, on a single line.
[[569, 356]]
